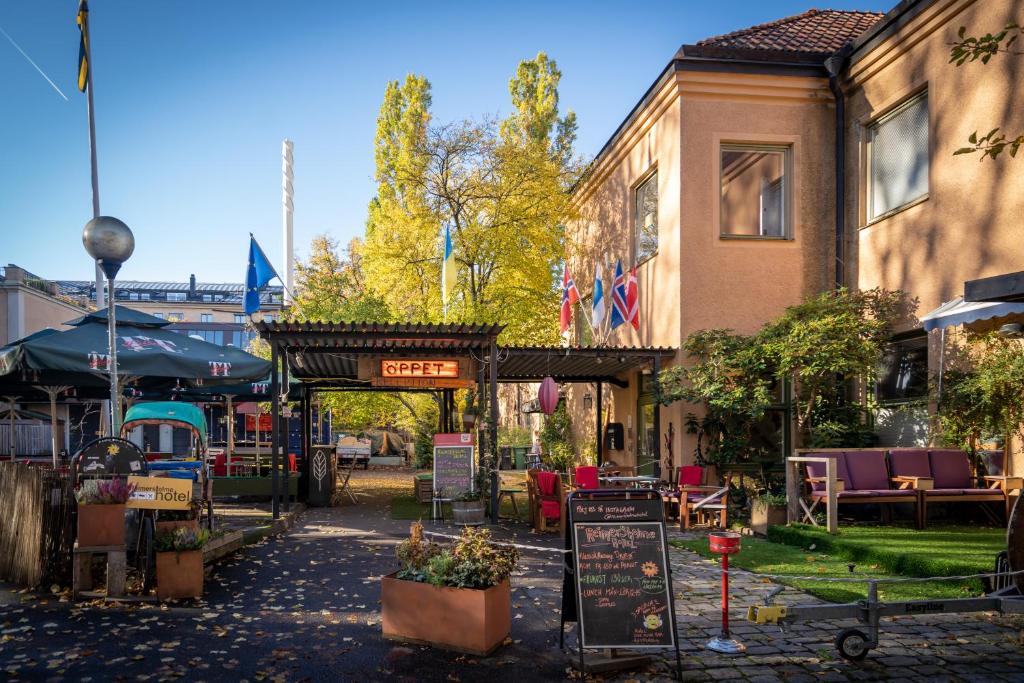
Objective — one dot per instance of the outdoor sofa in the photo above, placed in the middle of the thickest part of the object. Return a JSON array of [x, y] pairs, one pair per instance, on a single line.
[[862, 478]]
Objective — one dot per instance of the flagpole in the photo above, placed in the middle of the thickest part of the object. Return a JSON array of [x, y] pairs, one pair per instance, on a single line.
[[90, 108]]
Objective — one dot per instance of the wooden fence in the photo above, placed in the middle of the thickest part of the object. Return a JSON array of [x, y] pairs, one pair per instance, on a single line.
[[36, 525]]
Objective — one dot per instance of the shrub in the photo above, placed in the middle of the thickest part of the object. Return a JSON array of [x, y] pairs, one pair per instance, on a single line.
[[474, 561], [181, 540], [104, 492]]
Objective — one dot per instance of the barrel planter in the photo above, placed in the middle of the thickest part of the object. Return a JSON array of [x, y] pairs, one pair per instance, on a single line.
[[179, 574], [468, 512], [100, 525], [469, 620]]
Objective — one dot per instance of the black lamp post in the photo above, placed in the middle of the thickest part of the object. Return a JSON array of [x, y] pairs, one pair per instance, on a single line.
[[110, 242]]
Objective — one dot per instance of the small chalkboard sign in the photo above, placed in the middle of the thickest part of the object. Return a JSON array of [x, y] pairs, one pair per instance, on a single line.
[[620, 574], [107, 457], [454, 465]]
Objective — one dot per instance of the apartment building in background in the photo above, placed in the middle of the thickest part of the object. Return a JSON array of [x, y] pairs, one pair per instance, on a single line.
[[770, 164]]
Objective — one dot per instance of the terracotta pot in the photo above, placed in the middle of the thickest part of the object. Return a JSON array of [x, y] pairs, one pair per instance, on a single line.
[[763, 516], [461, 619], [179, 574], [171, 525], [100, 525]]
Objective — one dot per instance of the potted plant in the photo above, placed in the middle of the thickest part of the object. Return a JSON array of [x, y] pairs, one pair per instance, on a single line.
[[101, 512], [767, 508], [169, 520], [454, 597], [179, 563]]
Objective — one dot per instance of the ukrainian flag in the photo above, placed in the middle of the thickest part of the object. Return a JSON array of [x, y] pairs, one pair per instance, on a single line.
[[448, 275], [83, 52]]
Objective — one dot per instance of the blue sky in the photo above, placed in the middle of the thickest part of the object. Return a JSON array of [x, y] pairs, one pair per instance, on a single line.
[[194, 97]]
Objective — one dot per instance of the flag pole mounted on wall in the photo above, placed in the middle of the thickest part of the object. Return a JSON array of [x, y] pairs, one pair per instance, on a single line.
[[85, 85]]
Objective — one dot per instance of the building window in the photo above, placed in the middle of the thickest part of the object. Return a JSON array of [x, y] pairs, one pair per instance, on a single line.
[[175, 317], [134, 296], [206, 317], [903, 372], [144, 296], [646, 214], [268, 318], [240, 318], [898, 158], [159, 315], [754, 191], [176, 296]]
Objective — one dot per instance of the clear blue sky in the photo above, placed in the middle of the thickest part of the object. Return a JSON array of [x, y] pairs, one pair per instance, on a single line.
[[194, 97]]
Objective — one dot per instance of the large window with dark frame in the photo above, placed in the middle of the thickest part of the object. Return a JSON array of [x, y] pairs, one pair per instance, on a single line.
[[903, 371], [646, 216], [754, 191]]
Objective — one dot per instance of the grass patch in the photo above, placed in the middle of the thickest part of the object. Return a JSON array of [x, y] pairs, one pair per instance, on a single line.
[[766, 557], [939, 551]]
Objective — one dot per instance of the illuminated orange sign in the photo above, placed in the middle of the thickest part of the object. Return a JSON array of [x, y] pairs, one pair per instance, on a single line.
[[419, 368]]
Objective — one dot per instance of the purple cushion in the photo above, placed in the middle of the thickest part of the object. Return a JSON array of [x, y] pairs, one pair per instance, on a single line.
[[910, 463], [867, 469], [995, 493], [950, 469], [817, 469]]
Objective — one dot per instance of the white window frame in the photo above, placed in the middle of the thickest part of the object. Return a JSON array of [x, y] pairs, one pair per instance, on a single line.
[[869, 135], [786, 190]]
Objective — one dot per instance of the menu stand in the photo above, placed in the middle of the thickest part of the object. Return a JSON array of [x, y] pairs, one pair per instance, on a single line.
[[631, 523]]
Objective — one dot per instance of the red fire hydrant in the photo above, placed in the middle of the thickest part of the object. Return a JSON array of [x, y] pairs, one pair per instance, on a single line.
[[725, 543]]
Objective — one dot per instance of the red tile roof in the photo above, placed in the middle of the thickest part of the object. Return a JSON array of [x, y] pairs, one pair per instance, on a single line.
[[812, 32]]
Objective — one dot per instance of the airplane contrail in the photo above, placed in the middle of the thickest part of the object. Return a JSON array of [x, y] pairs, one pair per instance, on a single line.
[[41, 73]]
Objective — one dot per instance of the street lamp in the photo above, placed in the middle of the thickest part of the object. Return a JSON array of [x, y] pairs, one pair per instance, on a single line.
[[110, 242]]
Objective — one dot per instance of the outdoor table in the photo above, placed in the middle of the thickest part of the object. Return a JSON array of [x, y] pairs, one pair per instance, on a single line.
[[634, 482]]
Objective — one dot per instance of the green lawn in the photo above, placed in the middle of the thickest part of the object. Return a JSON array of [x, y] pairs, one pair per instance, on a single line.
[[874, 552]]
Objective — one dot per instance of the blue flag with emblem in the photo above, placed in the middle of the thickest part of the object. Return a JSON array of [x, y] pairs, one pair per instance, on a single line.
[[257, 275]]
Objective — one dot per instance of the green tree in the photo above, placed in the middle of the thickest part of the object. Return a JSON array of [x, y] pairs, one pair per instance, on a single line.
[[969, 49], [502, 190], [332, 287]]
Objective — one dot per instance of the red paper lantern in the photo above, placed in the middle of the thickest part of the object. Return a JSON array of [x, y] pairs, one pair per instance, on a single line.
[[548, 395]]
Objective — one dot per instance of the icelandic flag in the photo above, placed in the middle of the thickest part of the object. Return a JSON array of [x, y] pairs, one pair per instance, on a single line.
[[619, 310], [570, 295], [448, 274], [632, 300], [257, 275], [597, 316]]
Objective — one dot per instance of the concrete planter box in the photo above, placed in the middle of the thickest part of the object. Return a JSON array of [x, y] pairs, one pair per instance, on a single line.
[[763, 516], [179, 574], [460, 619], [100, 525]]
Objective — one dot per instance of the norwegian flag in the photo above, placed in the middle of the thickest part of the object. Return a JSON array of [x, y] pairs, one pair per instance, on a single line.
[[619, 310], [632, 300], [570, 296]]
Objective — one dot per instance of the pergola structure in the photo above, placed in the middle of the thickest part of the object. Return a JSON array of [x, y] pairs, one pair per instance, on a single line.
[[441, 358]]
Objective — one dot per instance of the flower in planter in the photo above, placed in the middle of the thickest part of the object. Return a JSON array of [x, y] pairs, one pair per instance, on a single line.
[[473, 561], [104, 492], [181, 540]]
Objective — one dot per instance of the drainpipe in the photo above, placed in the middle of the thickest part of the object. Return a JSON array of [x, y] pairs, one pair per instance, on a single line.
[[834, 66]]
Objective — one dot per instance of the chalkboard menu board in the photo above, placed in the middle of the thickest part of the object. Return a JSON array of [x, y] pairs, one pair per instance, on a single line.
[[623, 585], [454, 464], [108, 456]]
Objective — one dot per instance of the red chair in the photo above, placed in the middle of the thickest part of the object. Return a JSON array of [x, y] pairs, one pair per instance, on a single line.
[[690, 475], [549, 500], [291, 463], [586, 477], [220, 465]]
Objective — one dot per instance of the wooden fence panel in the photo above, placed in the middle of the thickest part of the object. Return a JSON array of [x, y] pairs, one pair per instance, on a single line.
[[36, 525]]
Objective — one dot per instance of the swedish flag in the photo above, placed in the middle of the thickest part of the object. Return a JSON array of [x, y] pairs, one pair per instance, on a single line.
[[83, 45]]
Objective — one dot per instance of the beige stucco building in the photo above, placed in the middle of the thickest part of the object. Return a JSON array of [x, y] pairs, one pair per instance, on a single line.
[[722, 186]]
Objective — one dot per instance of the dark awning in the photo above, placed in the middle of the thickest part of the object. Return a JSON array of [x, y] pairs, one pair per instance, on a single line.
[[579, 364], [1007, 287]]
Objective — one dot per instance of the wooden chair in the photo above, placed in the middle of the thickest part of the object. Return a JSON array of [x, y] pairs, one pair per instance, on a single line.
[[547, 500], [705, 502]]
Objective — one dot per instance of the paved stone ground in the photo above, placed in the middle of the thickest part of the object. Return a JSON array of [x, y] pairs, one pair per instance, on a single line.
[[304, 607]]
